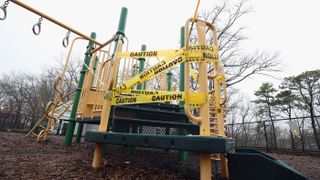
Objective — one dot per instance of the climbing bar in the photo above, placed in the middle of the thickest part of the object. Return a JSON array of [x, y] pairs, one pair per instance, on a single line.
[[52, 20], [193, 21], [104, 44]]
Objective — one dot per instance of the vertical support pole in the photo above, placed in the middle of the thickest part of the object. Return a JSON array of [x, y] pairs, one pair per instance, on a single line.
[[59, 127], [114, 71], [205, 159], [141, 86], [183, 155], [141, 68], [72, 123], [169, 80], [169, 83], [79, 132]]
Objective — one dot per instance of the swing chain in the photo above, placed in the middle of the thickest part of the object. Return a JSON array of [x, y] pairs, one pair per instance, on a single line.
[[37, 27], [4, 9], [65, 41]]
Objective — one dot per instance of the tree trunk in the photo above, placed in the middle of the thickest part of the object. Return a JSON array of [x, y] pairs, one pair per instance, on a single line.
[[245, 133], [301, 134], [265, 135], [291, 135], [273, 129], [314, 128], [236, 140]]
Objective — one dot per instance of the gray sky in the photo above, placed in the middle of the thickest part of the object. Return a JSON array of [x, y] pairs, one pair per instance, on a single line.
[[290, 27]]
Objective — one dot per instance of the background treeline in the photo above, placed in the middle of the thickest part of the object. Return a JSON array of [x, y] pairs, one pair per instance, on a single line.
[[24, 96], [280, 117]]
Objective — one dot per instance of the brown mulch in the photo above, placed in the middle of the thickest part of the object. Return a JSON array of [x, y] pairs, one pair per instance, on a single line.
[[23, 158], [307, 165]]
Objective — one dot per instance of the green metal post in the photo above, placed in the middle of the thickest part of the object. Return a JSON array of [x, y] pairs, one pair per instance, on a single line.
[[169, 82], [120, 32], [141, 67], [181, 80], [183, 155], [123, 21], [72, 122], [121, 29], [79, 132]]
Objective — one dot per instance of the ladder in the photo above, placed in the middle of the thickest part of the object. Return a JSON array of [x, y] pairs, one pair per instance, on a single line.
[[46, 123]]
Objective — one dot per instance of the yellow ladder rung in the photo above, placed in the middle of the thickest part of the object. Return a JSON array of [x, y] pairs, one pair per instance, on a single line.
[[97, 110], [42, 126], [34, 133]]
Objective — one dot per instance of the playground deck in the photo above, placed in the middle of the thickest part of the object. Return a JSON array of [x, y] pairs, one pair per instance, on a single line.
[[22, 158]]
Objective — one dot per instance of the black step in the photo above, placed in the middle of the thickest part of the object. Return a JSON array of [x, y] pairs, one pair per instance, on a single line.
[[129, 122], [123, 124], [149, 113], [201, 144], [155, 106]]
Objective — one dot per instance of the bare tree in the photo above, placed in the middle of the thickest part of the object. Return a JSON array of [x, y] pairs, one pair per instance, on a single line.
[[246, 117], [238, 64], [26, 95], [265, 99], [305, 85], [285, 103]]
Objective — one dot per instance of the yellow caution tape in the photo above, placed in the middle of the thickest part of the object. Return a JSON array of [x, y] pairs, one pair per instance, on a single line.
[[193, 74], [195, 53], [195, 98], [199, 48], [154, 70], [145, 54], [219, 77], [147, 92], [132, 92]]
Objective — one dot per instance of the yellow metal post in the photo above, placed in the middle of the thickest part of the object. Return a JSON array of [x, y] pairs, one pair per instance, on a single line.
[[110, 85], [106, 107], [205, 159]]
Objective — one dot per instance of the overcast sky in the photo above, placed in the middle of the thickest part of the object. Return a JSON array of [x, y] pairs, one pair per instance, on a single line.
[[290, 27]]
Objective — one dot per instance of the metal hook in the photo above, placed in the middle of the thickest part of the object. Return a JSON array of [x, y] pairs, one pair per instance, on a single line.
[[65, 41], [37, 27], [4, 10]]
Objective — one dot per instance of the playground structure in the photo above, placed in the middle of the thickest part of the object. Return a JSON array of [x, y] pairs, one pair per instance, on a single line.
[[127, 93]]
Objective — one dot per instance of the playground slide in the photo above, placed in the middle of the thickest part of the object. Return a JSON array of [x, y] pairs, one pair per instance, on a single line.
[[251, 164]]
